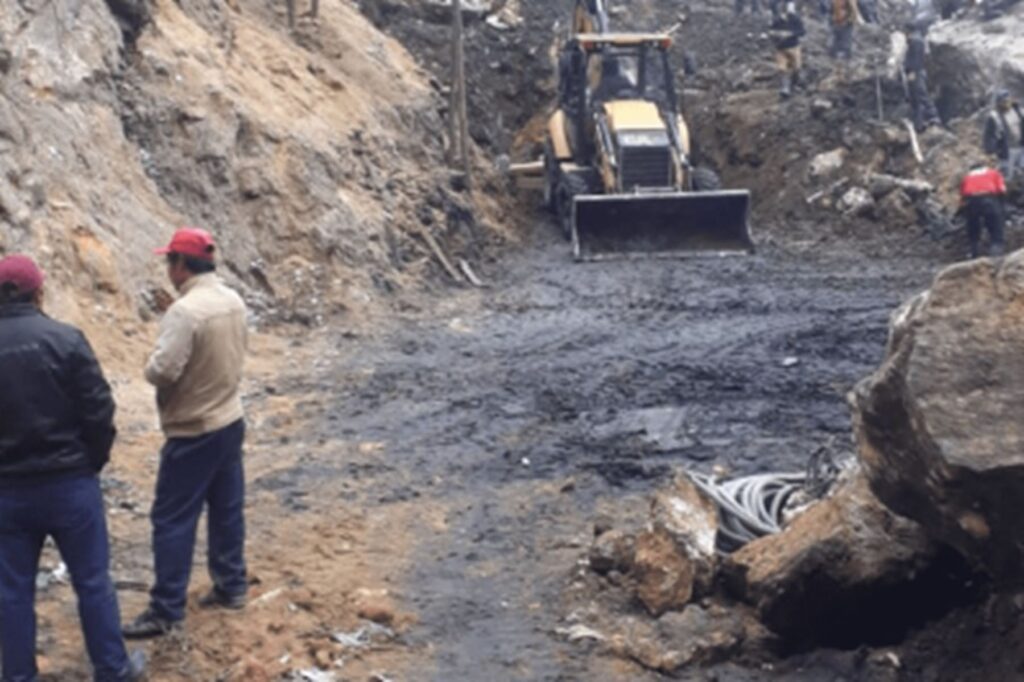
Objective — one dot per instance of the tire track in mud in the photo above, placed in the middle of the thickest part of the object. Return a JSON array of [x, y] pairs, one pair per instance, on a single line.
[[520, 411]]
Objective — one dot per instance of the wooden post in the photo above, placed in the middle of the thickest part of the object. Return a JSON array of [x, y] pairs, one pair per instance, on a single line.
[[291, 13], [314, 9], [460, 116], [453, 93]]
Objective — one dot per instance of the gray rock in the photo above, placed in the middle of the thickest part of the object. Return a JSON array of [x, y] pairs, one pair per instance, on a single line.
[[820, 569], [675, 558], [939, 424], [614, 550], [857, 201]]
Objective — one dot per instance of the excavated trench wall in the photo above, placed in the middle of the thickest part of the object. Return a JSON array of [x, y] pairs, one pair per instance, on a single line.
[[315, 157]]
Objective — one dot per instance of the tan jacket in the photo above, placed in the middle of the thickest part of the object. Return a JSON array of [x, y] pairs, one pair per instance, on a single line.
[[197, 364]]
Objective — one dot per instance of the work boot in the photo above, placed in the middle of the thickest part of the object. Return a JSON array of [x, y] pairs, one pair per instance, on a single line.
[[798, 82], [215, 599], [149, 624], [786, 89]]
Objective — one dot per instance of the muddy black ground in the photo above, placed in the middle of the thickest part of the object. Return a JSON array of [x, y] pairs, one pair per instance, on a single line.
[[564, 390]]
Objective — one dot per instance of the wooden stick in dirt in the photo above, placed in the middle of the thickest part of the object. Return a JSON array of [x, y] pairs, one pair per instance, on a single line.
[[453, 89], [459, 110], [914, 144], [291, 13], [439, 253], [878, 93], [470, 275], [314, 8]]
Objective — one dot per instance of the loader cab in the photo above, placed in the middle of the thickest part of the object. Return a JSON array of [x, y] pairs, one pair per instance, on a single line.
[[609, 67], [633, 73], [599, 69]]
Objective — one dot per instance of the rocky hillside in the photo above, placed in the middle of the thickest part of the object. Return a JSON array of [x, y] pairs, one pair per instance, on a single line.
[[315, 157]]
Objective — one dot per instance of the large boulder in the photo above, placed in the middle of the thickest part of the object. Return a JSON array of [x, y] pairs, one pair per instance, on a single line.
[[969, 58], [833, 567], [940, 425]]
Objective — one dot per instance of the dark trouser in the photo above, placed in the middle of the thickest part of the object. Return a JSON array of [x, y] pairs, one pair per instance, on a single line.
[[987, 212], [206, 470], [921, 104], [868, 11], [71, 512], [842, 42]]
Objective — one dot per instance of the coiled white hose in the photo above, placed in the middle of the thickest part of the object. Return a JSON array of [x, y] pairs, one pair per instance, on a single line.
[[750, 507]]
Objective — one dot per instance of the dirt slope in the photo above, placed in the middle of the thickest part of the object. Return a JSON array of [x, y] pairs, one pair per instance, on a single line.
[[312, 157]]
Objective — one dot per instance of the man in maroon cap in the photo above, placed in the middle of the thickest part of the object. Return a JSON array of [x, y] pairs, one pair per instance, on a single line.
[[197, 371], [56, 432]]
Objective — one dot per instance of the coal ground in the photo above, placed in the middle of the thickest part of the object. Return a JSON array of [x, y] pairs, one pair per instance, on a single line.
[[523, 410]]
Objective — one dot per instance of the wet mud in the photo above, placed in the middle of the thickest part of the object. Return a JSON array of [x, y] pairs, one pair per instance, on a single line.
[[513, 416]]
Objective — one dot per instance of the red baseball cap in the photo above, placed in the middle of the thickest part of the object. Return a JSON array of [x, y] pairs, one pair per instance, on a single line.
[[190, 241], [22, 272]]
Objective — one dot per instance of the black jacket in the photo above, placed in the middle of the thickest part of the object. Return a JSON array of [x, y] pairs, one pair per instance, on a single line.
[[995, 140], [786, 31], [56, 411]]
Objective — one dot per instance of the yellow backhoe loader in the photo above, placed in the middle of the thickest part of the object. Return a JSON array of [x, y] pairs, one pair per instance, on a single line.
[[617, 169]]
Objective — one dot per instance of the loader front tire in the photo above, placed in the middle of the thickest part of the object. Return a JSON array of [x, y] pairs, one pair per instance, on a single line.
[[569, 187], [703, 179]]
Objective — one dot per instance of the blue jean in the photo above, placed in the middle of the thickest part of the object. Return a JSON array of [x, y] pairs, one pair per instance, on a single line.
[[71, 512], [206, 470]]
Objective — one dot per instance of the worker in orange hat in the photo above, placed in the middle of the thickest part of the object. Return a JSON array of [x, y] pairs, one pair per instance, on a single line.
[[197, 371]]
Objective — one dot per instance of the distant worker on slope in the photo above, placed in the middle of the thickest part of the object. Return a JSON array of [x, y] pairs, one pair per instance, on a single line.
[[845, 15], [922, 106], [786, 31], [1004, 134], [981, 200], [755, 6]]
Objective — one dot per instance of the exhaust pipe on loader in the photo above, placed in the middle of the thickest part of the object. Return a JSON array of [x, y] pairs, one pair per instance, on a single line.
[[607, 227]]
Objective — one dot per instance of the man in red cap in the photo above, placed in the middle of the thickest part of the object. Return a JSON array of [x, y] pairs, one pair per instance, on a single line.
[[197, 371], [56, 432]]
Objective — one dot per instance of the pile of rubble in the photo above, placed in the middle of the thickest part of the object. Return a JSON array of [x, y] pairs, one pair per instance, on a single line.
[[927, 520]]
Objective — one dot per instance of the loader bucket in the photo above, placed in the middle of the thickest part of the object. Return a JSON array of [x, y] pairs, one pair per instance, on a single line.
[[661, 225]]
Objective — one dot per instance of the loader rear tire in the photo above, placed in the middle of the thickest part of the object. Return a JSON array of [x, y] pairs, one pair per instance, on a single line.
[[550, 177], [703, 179], [568, 189]]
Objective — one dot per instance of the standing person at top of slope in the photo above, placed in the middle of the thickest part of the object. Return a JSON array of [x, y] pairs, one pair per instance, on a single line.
[[844, 16], [197, 371], [786, 31], [915, 67], [56, 432]]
